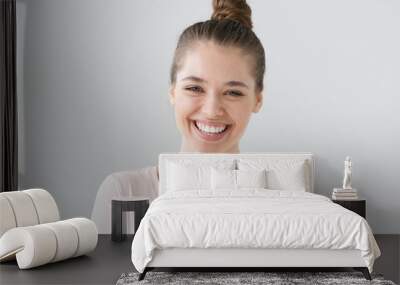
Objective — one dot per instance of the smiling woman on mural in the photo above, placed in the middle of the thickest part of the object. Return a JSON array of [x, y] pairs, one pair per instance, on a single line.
[[216, 81]]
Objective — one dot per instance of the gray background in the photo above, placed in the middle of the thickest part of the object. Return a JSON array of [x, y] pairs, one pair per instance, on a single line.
[[93, 82]]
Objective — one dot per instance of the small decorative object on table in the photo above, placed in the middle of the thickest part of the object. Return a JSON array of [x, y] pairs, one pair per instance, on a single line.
[[347, 192], [347, 173], [139, 205], [347, 196]]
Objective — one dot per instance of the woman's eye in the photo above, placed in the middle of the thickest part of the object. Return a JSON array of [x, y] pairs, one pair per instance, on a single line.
[[235, 93], [195, 89]]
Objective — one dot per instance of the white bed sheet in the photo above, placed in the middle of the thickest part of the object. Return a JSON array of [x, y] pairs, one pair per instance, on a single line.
[[250, 218]]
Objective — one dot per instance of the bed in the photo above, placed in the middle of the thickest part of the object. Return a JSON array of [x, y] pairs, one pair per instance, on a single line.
[[247, 210]]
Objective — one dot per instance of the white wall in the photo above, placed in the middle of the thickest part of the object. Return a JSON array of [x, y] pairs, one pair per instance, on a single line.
[[93, 80]]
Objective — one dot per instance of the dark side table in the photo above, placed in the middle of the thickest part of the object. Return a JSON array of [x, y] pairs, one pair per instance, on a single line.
[[139, 205], [357, 206]]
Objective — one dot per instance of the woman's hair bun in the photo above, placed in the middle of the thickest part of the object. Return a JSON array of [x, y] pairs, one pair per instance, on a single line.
[[236, 10]]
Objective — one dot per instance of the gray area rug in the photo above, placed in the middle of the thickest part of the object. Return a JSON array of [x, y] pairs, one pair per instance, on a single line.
[[228, 278]]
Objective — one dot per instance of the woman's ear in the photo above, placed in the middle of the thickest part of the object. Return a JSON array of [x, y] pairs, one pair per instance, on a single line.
[[171, 94], [259, 102]]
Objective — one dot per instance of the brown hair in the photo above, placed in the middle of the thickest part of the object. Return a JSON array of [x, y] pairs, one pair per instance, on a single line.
[[230, 25]]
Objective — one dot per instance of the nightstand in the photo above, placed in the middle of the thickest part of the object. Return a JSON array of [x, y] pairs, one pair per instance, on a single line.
[[119, 205], [357, 206]]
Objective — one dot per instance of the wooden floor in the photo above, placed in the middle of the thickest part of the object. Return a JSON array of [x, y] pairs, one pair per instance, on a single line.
[[111, 259], [389, 262]]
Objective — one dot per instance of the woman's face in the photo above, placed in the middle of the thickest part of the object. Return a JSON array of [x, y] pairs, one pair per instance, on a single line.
[[214, 96]]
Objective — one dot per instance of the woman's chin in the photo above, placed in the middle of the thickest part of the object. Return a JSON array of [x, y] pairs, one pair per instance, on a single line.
[[204, 147]]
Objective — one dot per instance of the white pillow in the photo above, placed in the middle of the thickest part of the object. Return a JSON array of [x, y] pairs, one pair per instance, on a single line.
[[223, 179], [193, 174], [251, 178], [237, 179], [282, 174], [187, 177]]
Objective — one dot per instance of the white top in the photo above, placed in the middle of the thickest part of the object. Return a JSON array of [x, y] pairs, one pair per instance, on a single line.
[[136, 183], [131, 198]]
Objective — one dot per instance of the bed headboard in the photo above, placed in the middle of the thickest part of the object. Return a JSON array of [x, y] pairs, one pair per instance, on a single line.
[[166, 157]]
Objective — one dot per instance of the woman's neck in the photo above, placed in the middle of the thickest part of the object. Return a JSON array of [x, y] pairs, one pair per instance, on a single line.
[[188, 148]]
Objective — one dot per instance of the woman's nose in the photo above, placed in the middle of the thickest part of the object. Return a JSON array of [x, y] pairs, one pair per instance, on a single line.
[[212, 106]]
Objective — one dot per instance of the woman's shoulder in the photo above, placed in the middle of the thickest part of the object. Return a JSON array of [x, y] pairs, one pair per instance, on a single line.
[[150, 172]]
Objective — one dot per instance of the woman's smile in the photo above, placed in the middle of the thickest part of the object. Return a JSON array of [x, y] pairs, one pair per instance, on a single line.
[[210, 132]]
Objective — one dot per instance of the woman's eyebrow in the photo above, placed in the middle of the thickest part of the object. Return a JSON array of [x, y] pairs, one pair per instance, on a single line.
[[193, 78], [231, 83], [234, 83]]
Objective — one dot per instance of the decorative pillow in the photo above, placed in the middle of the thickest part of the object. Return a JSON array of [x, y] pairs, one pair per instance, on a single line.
[[251, 178], [282, 174], [187, 177], [236, 179], [193, 174], [223, 178]]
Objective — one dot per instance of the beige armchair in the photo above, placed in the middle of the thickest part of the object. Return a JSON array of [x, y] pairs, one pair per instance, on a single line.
[[31, 231]]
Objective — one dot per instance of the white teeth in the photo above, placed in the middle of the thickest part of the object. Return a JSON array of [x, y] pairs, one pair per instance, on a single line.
[[210, 129]]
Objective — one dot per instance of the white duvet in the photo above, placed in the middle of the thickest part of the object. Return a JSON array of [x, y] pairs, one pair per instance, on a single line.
[[251, 218]]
